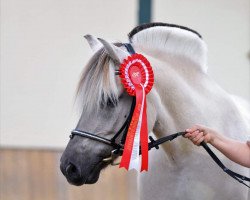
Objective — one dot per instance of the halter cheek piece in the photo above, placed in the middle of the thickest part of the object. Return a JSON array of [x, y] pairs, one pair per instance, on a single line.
[[118, 146]]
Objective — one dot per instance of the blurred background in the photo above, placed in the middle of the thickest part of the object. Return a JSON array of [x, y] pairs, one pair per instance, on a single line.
[[42, 55]]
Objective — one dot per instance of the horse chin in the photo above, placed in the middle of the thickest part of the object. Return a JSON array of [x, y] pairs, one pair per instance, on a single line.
[[93, 178], [94, 174], [90, 178]]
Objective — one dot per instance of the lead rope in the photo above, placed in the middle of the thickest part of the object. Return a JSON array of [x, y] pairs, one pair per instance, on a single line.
[[236, 176], [231, 173], [155, 144]]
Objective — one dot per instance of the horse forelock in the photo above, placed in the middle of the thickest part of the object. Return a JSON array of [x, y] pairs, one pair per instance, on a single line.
[[97, 84]]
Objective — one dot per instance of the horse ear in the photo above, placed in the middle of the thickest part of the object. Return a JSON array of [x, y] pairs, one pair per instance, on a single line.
[[94, 43], [116, 53]]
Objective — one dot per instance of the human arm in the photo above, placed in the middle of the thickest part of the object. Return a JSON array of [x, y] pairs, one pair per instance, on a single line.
[[236, 151]]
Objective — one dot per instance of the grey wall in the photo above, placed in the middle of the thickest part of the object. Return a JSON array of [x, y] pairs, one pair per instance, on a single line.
[[43, 53], [225, 26]]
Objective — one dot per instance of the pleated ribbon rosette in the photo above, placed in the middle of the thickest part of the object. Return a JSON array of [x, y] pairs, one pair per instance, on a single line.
[[137, 78]]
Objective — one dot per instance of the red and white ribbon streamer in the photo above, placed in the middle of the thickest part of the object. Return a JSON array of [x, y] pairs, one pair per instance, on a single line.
[[137, 77]]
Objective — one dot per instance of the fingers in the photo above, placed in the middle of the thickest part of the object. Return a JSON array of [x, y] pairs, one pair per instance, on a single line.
[[198, 139], [196, 127], [196, 136], [191, 135], [192, 129]]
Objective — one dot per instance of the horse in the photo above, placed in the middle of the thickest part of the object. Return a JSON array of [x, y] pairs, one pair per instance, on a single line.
[[183, 95]]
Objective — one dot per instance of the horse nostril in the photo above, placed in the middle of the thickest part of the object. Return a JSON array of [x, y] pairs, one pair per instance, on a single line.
[[72, 171], [70, 168]]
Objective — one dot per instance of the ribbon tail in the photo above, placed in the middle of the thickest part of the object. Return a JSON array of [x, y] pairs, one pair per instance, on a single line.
[[144, 135], [128, 145], [130, 157], [135, 156]]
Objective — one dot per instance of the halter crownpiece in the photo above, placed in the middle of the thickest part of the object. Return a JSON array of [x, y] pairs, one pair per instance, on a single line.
[[137, 78]]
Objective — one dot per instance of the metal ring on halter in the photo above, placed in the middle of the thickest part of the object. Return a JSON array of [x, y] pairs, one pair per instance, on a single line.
[[112, 158]]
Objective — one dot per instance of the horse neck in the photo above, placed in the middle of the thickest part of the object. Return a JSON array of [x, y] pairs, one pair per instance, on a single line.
[[177, 83], [189, 96], [185, 95], [178, 58]]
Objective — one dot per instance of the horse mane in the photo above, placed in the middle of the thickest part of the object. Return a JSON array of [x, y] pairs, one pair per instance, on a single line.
[[97, 85], [170, 42], [150, 25]]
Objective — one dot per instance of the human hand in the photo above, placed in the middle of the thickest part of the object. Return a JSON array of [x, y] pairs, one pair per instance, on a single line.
[[199, 133]]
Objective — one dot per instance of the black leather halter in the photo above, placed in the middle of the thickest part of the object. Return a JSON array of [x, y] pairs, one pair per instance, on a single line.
[[118, 146]]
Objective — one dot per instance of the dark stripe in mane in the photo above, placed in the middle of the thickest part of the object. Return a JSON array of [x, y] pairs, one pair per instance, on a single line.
[[149, 25]]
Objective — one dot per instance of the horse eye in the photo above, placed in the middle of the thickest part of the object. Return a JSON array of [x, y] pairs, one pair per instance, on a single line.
[[111, 103]]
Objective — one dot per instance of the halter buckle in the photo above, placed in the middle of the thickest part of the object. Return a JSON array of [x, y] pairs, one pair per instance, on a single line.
[[111, 159]]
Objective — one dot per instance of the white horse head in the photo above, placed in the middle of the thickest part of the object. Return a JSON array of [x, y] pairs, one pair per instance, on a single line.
[[183, 95], [105, 107]]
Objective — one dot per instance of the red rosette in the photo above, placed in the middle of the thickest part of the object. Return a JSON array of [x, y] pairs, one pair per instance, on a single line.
[[136, 70], [137, 78]]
